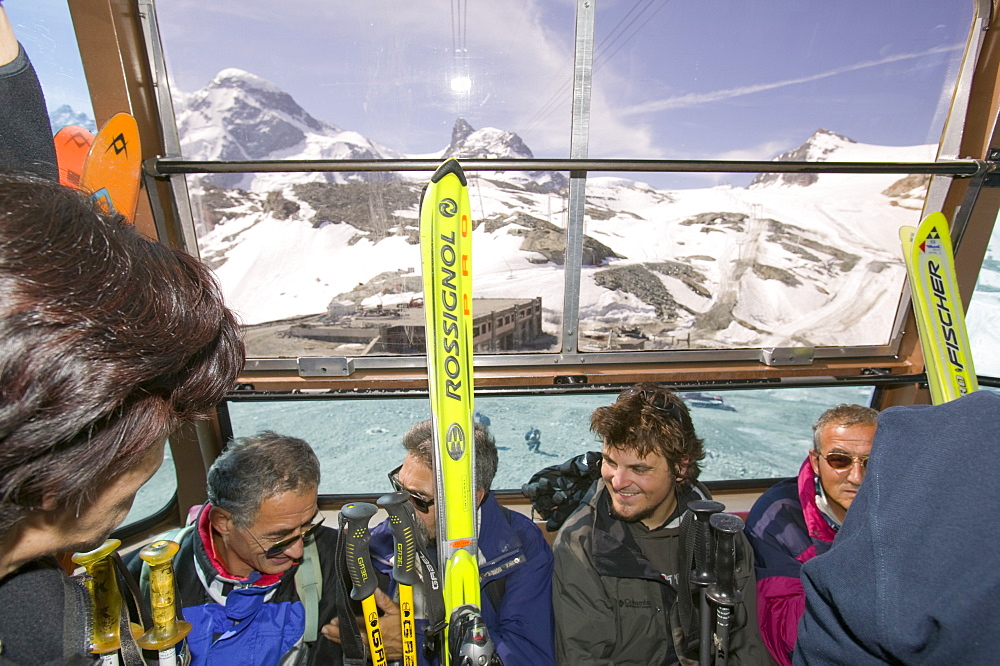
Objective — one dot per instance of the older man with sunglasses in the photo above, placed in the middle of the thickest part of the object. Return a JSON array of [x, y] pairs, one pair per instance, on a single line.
[[515, 562], [798, 519], [255, 548]]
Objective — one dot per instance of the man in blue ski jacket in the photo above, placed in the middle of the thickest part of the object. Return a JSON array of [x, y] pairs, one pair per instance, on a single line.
[[515, 562], [913, 575], [256, 570]]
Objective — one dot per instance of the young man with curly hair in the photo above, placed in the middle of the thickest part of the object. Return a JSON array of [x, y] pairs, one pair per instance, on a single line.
[[620, 566]]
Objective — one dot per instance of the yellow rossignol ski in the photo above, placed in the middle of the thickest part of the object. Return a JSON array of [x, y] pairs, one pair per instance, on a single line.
[[446, 252], [937, 306]]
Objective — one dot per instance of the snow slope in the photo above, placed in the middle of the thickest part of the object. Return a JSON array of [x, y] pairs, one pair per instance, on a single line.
[[790, 260]]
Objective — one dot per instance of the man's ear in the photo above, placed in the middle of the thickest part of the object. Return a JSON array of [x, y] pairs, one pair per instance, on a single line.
[[480, 496], [814, 461], [221, 520]]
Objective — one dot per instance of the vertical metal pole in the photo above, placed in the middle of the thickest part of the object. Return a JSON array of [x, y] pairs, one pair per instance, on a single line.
[[578, 149], [171, 139]]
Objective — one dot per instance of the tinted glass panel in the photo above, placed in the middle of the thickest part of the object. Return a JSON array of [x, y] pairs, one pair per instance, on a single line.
[[793, 260], [751, 80], [983, 318], [157, 492], [695, 261], [748, 434], [45, 30]]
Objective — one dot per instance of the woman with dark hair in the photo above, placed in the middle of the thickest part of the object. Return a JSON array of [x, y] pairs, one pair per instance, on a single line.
[[108, 341]]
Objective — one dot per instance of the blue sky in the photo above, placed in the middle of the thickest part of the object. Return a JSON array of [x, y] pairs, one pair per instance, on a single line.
[[686, 79], [44, 29], [674, 78]]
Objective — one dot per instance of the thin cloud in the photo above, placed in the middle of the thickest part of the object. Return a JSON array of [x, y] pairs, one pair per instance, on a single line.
[[694, 99]]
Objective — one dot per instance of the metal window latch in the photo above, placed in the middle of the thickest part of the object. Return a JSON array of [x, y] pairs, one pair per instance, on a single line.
[[787, 355], [338, 366]]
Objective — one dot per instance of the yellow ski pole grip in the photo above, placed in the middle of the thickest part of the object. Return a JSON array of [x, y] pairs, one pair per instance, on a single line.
[[105, 598], [402, 524], [167, 631], [359, 565]]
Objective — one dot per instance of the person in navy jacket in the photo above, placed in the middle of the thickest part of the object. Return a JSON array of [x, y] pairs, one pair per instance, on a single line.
[[913, 575], [515, 561]]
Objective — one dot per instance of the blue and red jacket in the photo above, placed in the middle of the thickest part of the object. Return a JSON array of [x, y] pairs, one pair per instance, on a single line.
[[786, 529]]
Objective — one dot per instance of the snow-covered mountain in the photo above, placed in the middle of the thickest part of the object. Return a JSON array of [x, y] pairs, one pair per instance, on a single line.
[[240, 116], [789, 260], [65, 115]]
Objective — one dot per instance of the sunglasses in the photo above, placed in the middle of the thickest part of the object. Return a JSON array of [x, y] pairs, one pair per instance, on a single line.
[[419, 503], [842, 461], [655, 399], [279, 547]]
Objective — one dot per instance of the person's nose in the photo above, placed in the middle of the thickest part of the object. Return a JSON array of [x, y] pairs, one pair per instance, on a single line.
[[295, 550], [621, 479], [857, 473]]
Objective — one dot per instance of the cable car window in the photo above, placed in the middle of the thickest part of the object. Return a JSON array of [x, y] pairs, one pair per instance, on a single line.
[[45, 30], [325, 263], [358, 243], [751, 260], [328, 264], [983, 317], [749, 434], [156, 493]]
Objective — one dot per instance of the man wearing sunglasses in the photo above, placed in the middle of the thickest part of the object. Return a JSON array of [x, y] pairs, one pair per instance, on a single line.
[[798, 519], [515, 562], [620, 590], [255, 571]]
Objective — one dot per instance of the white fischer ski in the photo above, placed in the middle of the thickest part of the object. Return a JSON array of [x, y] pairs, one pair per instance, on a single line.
[[937, 306]]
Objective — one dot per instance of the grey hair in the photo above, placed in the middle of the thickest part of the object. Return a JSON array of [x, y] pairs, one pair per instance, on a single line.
[[843, 416], [254, 469], [419, 440]]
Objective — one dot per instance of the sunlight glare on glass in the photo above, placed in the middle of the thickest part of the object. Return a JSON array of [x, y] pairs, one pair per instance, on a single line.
[[461, 84]]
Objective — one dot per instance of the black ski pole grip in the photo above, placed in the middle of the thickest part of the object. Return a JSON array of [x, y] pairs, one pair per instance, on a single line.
[[703, 510], [359, 559], [402, 524], [723, 591]]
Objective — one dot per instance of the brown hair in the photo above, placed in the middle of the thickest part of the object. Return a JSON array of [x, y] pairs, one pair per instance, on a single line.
[[649, 419], [107, 342], [419, 440]]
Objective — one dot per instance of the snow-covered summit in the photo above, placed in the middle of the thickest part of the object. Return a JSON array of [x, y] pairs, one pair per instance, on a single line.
[[822, 146], [486, 143], [492, 143], [241, 116]]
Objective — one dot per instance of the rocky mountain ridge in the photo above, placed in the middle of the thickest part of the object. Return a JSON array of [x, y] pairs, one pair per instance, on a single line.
[[786, 260]]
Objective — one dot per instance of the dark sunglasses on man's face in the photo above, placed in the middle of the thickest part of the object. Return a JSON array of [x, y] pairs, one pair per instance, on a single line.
[[842, 461], [419, 503], [279, 547]]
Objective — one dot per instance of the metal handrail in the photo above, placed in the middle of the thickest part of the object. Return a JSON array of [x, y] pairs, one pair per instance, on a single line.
[[162, 167]]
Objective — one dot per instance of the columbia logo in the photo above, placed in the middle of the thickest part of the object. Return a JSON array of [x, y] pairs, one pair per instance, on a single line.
[[633, 603]]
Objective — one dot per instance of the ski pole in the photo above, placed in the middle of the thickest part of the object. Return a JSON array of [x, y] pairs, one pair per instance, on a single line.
[[703, 573], [359, 565], [723, 592], [167, 631], [402, 523], [105, 600]]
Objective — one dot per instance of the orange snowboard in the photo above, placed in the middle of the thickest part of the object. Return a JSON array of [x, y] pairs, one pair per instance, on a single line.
[[112, 170], [72, 145]]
